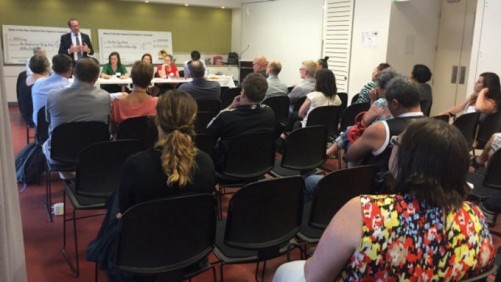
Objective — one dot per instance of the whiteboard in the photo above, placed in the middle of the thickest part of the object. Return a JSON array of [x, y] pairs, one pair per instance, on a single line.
[[132, 44], [19, 41]]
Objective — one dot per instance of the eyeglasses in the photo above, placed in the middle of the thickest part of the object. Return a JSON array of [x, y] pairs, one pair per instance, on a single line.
[[302, 69], [395, 140]]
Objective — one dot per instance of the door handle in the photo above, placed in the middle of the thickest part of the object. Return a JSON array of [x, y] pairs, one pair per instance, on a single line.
[[454, 74], [462, 74]]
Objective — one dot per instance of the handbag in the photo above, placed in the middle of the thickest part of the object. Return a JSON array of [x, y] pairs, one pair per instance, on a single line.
[[357, 129]]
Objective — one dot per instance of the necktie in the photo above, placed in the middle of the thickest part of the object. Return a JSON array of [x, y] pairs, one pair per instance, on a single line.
[[79, 53]]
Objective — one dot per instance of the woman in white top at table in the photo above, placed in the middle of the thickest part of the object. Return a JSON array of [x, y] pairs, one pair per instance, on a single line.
[[486, 97]]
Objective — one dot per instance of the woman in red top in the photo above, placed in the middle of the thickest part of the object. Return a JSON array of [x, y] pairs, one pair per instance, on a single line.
[[168, 68]]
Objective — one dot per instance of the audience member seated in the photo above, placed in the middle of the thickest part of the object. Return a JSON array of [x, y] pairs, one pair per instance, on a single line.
[[322, 63], [40, 69], [373, 147], [324, 95], [308, 70], [175, 167], [259, 65], [79, 102], [37, 51], [486, 97], [363, 95], [377, 112], [138, 102], [114, 68], [275, 87], [421, 74], [168, 68], [62, 65], [200, 88], [195, 56], [425, 230], [245, 115]]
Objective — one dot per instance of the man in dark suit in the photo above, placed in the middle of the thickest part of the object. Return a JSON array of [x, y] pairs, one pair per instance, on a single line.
[[75, 44]]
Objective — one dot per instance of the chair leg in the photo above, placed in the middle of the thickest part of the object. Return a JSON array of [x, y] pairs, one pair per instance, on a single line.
[[96, 273], [221, 271], [27, 134], [67, 258], [48, 194]]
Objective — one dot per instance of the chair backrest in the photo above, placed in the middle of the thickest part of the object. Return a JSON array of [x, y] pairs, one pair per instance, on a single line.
[[24, 99], [493, 176], [336, 189], [247, 155], [299, 102], [202, 120], [327, 116], [354, 98], [349, 114], [486, 127], [206, 143], [228, 96], [264, 215], [139, 128], [344, 99], [467, 124], [280, 106], [442, 117], [305, 148], [209, 105], [42, 128], [425, 107], [69, 139], [166, 235], [100, 166]]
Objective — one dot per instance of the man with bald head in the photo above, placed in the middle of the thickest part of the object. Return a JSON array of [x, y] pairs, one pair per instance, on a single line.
[[200, 88], [259, 65]]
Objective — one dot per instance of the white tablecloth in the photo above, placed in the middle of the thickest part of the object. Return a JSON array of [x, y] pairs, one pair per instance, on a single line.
[[224, 80]]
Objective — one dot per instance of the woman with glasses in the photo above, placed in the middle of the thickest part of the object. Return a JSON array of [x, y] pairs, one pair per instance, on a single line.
[[425, 230]]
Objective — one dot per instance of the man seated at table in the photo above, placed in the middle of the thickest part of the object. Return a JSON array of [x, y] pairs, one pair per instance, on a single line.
[[201, 88], [195, 56], [82, 101], [245, 115]]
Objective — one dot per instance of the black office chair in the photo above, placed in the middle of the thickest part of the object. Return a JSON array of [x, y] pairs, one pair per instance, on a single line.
[[67, 141], [349, 114], [299, 102], [354, 99], [487, 126], [172, 240], [280, 106], [142, 129], [42, 128], [262, 219], [344, 100], [444, 118], [467, 124], [25, 103], [98, 175], [228, 96], [327, 116], [206, 143], [209, 105], [332, 192], [485, 185], [304, 151], [202, 120]]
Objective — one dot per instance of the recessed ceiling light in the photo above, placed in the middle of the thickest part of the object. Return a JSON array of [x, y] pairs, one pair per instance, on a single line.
[[223, 7], [146, 1], [186, 4]]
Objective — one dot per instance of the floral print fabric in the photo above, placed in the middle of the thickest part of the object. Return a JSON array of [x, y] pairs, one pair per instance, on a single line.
[[404, 239]]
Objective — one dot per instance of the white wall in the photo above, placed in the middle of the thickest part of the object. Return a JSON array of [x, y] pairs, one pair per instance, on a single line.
[[286, 30], [369, 16], [413, 34], [236, 28]]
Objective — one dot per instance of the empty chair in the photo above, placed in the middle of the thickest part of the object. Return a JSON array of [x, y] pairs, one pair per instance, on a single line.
[[280, 106], [206, 143], [67, 141], [142, 129], [304, 151], [98, 175], [344, 99], [332, 192], [349, 114], [327, 116], [487, 126], [209, 105], [484, 185], [467, 124], [202, 120], [262, 218], [228, 96], [170, 241]]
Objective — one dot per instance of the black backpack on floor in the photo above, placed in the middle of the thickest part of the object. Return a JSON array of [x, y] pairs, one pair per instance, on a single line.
[[30, 164]]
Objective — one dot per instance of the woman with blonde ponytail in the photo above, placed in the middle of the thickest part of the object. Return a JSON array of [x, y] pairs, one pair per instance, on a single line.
[[174, 167]]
